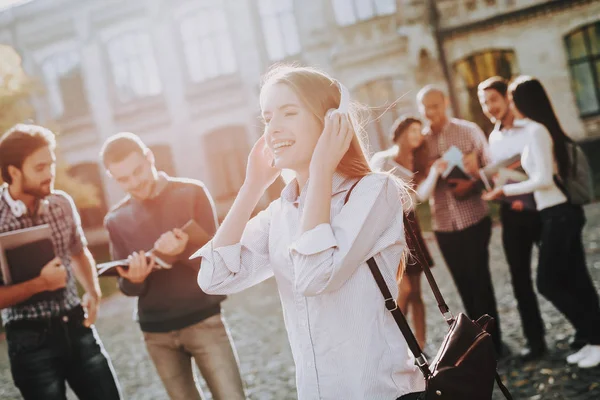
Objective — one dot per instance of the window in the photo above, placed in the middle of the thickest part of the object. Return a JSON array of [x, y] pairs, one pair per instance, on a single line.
[[64, 85], [163, 158], [207, 46], [279, 28], [385, 105], [476, 68], [89, 174], [348, 12], [583, 52], [133, 65], [226, 152]]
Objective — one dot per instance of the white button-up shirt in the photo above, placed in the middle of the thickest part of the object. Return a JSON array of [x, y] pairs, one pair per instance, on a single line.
[[344, 342], [507, 142], [540, 165]]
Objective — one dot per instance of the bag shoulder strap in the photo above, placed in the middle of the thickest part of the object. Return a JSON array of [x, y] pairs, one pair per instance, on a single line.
[[411, 238]]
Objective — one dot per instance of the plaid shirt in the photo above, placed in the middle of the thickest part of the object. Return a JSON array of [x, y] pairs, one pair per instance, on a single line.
[[67, 236], [450, 214]]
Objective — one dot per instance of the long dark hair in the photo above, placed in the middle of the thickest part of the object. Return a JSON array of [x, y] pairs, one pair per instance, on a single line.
[[420, 154], [530, 98]]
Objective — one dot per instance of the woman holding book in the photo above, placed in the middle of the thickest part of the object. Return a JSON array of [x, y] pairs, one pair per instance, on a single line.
[[408, 160], [316, 240], [562, 275]]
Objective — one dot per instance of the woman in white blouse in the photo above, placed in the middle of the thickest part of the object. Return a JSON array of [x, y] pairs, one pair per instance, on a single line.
[[344, 342], [562, 275], [408, 159]]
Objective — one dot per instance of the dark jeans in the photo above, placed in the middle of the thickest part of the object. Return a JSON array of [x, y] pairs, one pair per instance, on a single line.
[[563, 277], [520, 231], [45, 354], [467, 257]]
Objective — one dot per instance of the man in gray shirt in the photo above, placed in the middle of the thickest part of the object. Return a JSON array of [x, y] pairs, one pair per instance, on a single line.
[[178, 320]]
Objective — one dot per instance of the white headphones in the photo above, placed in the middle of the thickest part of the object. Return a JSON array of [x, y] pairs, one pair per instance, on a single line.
[[344, 99], [18, 208]]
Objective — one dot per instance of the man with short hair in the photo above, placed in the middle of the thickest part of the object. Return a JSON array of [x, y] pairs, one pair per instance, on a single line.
[[51, 337], [460, 218], [179, 321], [521, 227]]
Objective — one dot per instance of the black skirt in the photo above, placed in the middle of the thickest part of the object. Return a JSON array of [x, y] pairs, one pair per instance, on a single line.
[[418, 253]]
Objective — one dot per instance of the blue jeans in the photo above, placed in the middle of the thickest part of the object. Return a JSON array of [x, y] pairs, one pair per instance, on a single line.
[[46, 354]]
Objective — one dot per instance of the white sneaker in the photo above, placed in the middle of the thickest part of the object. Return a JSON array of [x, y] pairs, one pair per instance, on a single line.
[[580, 355], [592, 359]]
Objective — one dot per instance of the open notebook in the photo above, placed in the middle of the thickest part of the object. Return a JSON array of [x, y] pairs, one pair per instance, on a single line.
[[198, 237]]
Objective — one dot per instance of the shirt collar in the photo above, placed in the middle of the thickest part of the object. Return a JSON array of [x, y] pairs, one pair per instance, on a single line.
[[340, 183], [17, 206]]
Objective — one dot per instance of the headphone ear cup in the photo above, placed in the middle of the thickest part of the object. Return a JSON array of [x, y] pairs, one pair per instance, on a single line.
[[18, 208]]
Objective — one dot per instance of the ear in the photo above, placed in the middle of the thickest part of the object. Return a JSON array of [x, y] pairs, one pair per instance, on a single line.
[[15, 173]]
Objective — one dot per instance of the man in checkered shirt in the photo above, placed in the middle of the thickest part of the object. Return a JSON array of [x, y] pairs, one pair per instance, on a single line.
[[50, 333], [460, 217]]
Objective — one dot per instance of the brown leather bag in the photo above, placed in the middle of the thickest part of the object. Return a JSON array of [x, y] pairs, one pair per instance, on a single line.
[[465, 365]]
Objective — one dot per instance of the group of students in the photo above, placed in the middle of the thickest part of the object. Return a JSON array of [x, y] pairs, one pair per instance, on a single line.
[[526, 125], [315, 240]]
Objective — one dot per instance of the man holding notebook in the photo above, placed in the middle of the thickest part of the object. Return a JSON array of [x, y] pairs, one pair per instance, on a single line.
[[460, 218], [49, 330], [521, 225], [178, 320]]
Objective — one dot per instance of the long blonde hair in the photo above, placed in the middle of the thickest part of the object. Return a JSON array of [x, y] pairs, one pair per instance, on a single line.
[[320, 93]]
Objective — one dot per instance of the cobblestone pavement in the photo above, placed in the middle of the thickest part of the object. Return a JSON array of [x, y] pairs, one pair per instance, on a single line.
[[257, 327]]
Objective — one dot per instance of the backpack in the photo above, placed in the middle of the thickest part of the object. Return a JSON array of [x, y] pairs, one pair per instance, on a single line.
[[579, 185]]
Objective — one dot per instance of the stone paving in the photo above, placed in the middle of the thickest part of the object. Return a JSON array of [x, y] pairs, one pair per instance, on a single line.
[[256, 324]]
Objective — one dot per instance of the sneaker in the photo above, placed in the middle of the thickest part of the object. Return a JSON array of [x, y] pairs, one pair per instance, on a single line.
[[580, 355], [592, 359]]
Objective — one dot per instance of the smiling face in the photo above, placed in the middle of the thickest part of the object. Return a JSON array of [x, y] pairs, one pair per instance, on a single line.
[[135, 174], [292, 130], [413, 137], [494, 105]]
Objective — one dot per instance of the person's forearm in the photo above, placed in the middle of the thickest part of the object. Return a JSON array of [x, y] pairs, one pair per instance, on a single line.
[[84, 268], [231, 230], [14, 294], [317, 209]]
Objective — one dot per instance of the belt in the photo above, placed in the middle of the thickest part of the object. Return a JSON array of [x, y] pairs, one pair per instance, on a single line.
[[74, 316]]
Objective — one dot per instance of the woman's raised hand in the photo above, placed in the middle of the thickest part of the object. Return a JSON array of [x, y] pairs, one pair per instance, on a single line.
[[260, 172], [333, 143]]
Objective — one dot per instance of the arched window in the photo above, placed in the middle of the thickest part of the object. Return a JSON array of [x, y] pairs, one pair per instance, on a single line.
[[134, 67], [583, 51], [280, 30], [386, 102], [64, 85], [89, 173], [207, 44], [226, 152], [348, 12], [476, 68], [163, 157]]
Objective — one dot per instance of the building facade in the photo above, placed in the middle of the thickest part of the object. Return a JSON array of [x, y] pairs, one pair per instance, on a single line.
[[185, 74]]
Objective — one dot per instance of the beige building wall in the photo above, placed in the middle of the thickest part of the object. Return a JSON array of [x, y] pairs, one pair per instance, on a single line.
[[205, 129]]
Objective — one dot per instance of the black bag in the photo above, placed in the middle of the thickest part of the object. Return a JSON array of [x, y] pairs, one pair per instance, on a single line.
[[465, 365]]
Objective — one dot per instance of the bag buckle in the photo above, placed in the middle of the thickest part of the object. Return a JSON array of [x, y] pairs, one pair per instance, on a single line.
[[448, 317], [391, 304]]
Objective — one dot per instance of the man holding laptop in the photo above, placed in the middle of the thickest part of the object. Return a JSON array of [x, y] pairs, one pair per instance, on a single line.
[[178, 320], [49, 330]]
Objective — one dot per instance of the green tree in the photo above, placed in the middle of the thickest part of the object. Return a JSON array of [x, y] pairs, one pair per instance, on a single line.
[[16, 89]]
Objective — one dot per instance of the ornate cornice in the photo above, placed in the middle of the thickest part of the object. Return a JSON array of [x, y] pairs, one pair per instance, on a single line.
[[548, 7]]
